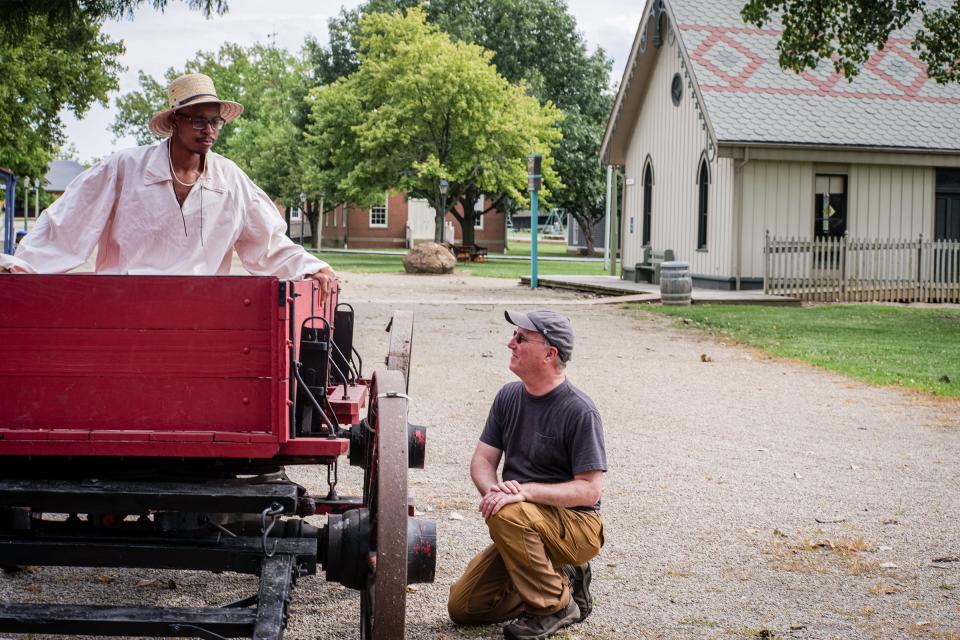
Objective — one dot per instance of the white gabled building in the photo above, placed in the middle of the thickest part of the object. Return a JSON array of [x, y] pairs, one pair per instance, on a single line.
[[718, 145]]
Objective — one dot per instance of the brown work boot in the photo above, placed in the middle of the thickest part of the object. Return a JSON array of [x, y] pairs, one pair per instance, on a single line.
[[531, 627], [580, 577]]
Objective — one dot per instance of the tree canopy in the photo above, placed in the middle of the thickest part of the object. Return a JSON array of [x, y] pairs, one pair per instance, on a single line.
[[420, 108], [532, 41], [51, 65], [849, 31], [53, 56]]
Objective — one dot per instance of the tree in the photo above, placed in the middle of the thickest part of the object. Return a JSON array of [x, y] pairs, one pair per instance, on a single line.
[[419, 108], [534, 42], [54, 57], [849, 31], [17, 13], [50, 66]]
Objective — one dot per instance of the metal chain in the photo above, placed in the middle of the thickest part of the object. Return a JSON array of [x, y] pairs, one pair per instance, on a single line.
[[273, 512]]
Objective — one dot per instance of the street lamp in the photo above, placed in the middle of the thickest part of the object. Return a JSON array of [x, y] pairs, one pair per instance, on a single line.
[[444, 187], [303, 210]]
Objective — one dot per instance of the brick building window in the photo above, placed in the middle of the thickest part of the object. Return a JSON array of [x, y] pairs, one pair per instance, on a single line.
[[478, 208], [378, 216]]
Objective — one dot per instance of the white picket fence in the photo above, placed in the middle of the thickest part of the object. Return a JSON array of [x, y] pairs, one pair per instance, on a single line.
[[853, 270]]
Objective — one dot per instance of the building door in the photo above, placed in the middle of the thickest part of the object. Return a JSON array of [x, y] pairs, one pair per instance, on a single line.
[[946, 224], [830, 207], [829, 217]]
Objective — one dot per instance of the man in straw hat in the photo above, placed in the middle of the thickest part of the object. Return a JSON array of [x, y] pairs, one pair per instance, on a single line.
[[174, 207], [543, 514]]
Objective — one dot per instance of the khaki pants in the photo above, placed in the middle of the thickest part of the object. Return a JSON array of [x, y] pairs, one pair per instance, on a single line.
[[520, 572]]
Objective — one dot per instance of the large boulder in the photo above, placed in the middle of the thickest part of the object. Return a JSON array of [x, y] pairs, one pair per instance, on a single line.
[[429, 257]]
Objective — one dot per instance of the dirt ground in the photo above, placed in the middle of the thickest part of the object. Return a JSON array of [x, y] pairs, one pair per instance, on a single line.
[[746, 497]]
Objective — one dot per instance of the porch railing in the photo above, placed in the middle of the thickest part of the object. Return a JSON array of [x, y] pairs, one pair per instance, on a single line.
[[854, 270]]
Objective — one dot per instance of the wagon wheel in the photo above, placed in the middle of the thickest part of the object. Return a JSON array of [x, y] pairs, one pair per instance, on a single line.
[[401, 344], [383, 602]]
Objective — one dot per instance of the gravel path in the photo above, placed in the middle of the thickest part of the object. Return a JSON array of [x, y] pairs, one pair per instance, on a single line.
[[746, 498]]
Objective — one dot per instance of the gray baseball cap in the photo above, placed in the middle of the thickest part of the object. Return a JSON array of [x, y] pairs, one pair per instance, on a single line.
[[553, 326]]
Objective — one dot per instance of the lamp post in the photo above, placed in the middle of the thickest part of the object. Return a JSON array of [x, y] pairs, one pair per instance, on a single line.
[[444, 187], [303, 210], [534, 179]]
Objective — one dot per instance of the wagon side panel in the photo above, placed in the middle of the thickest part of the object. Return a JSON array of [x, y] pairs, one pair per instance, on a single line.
[[129, 362]]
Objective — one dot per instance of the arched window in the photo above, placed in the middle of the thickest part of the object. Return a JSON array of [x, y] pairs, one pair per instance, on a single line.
[[647, 200], [703, 182]]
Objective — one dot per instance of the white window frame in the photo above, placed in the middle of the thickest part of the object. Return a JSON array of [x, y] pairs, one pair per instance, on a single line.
[[478, 209], [385, 212]]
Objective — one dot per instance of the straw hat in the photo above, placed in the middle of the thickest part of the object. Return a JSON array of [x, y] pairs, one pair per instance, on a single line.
[[193, 88]]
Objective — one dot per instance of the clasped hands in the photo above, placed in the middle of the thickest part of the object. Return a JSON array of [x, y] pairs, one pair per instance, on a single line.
[[499, 495]]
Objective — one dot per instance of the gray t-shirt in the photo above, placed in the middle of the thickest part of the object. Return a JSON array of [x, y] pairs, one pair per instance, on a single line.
[[547, 438]]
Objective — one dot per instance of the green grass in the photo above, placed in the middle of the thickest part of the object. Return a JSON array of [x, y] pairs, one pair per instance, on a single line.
[[364, 263], [915, 348], [522, 248]]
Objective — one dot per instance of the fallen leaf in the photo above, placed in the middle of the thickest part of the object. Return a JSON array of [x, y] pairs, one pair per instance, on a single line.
[[411, 588], [705, 358], [146, 583], [105, 579]]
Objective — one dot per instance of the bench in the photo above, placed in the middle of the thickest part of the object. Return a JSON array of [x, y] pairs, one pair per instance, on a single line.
[[649, 269], [469, 252]]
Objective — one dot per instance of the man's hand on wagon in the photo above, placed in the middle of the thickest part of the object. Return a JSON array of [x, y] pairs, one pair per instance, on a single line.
[[327, 277]]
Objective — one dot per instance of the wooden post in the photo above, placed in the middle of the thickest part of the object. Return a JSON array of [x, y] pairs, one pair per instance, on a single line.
[[767, 257]]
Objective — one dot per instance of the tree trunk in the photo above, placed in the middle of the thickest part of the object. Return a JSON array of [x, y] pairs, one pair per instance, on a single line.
[[467, 224], [587, 233], [314, 216]]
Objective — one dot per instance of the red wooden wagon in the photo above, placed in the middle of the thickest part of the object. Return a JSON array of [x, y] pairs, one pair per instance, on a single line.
[[145, 421]]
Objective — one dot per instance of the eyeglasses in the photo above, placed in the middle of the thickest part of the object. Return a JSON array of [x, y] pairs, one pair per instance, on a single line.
[[519, 338], [200, 123]]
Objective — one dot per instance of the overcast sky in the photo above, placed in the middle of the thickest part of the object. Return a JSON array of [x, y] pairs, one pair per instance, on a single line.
[[156, 41]]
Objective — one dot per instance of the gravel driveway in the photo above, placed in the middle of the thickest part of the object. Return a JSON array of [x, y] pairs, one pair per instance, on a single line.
[[746, 498]]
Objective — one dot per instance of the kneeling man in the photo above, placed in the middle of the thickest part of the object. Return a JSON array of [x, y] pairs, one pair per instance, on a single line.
[[544, 514]]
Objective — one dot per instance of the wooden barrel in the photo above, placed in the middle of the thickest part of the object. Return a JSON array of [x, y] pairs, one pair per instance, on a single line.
[[675, 283]]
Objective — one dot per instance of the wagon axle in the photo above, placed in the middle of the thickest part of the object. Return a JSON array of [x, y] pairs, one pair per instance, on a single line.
[[345, 552]]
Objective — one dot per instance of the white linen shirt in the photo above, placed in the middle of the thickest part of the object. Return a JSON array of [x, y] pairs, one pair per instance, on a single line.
[[127, 205]]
